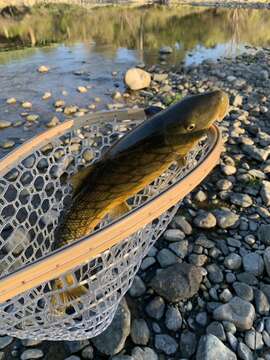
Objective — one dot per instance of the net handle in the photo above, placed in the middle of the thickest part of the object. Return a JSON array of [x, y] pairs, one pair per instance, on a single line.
[[82, 251]]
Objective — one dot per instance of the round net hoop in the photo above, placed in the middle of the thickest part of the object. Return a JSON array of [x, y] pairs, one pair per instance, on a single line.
[[32, 198]]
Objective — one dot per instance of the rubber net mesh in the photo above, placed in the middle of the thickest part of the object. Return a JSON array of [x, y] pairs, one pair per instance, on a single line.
[[32, 197]]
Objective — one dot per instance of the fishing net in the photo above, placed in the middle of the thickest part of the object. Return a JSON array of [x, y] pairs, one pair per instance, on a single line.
[[34, 190]]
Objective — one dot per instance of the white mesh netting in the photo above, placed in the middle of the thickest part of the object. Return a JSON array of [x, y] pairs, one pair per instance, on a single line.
[[32, 196]]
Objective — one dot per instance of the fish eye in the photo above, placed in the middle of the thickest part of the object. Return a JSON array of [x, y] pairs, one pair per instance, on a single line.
[[191, 127]]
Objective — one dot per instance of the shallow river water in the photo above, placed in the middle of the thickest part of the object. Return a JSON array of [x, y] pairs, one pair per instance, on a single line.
[[83, 47]]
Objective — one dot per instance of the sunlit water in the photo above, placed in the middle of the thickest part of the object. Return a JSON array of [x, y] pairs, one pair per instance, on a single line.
[[84, 48]]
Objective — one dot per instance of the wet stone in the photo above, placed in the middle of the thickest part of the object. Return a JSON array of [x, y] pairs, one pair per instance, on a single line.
[[137, 288]]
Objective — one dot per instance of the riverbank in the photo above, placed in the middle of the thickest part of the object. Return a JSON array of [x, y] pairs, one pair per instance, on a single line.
[[214, 259], [92, 3]]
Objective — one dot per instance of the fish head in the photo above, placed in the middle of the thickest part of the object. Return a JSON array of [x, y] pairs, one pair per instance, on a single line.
[[198, 112]]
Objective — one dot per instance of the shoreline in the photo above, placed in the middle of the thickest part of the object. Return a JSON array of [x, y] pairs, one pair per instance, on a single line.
[[259, 4]]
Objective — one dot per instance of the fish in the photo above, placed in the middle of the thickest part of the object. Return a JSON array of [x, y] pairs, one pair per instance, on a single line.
[[127, 167]]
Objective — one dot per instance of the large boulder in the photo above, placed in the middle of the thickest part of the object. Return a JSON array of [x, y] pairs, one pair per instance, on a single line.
[[177, 282], [137, 79]]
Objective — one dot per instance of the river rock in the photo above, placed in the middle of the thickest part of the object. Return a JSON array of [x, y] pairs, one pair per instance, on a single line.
[[137, 79], [216, 328], [244, 291], [205, 220], [264, 234], [43, 69], [261, 302], [173, 319], [188, 343], [174, 235], [253, 339], [266, 258], [5, 124], [32, 354], [166, 344], [5, 341], [233, 261], [155, 308], [215, 274], [112, 340], [253, 263], [145, 353], [139, 332], [211, 348], [265, 192], [11, 101], [240, 312], [82, 89], [244, 352], [242, 200], [226, 218], [165, 50], [177, 282], [137, 288], [183, 224]]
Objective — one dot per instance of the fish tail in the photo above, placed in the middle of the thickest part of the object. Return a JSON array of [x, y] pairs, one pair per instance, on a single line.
[[61, 302]]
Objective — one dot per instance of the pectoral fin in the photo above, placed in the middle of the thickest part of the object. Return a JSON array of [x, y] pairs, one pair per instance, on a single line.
[[119, 210]]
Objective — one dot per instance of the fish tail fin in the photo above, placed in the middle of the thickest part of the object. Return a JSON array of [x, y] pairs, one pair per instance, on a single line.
[[61, 302]]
